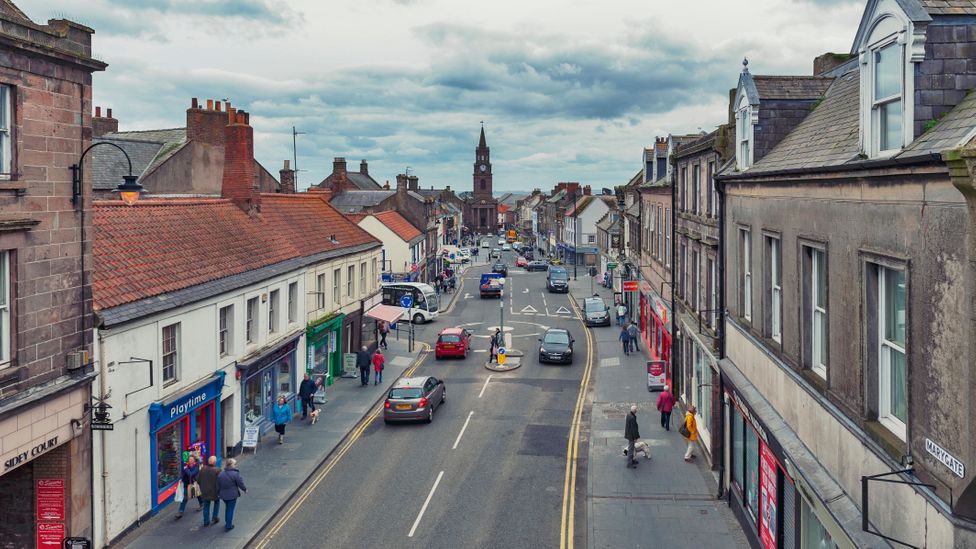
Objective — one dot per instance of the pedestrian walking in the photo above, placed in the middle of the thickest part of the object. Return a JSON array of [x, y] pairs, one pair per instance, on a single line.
[[665, 403], [362, 362], [188, 476], [281, 413], [208, 490], [384, 329], [634, 333], [621, 313], [230, 485], [624, 338], [378, 363], [306, 390], [494, 345], [632, 434], [690, 432]]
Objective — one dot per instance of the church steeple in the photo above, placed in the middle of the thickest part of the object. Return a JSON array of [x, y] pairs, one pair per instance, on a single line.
[[482, 144], [482, 166]]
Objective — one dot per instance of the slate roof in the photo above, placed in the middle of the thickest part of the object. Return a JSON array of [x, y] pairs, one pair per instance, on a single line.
[[791, 87], [949, 7], [827, 136], [557, 197], [399, 225], [108, 165], [704, 141], [156, 247], [634, 210], [954, 129], [354, 201]]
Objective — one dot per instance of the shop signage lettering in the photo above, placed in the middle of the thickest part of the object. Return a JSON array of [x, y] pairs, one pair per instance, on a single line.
[[50, 499], [32, 453], [945, 458], [50, 534], [179, 408]]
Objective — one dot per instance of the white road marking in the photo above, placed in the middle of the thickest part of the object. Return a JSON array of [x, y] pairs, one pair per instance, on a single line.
[[467, 296], [525, 291], [563, 311], [485, 386], [426, 503], [529, 309], [544, 304], [465, 426], [480, 350]]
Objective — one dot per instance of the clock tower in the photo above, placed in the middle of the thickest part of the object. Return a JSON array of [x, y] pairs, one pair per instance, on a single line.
[[482, 211]]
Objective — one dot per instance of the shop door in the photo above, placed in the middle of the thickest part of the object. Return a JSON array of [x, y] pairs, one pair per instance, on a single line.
[[267, 393]]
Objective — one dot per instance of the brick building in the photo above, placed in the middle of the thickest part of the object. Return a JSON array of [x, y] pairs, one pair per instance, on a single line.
[[45, 280]]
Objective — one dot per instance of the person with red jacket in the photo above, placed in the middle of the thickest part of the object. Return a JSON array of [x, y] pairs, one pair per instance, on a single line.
[[665, 403], [378, 361]]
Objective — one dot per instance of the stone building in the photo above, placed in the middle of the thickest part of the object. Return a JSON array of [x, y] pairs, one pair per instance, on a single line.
[[481, 213], [46, 371], [849, 334]]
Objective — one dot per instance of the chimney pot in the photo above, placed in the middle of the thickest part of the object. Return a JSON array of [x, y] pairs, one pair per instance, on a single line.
[[217, 106], [226, 104], [109, 113], [231, 115], [98, 112], [287, 164], [209, 104], [194, 103], [363, 167], [287, 178]]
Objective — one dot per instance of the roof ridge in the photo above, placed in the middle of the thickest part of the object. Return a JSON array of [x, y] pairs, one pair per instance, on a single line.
[[160, 202], [148, 131]]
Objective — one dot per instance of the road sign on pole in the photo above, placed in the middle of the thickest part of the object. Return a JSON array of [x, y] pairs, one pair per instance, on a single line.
[[406, 301], [501, 355]]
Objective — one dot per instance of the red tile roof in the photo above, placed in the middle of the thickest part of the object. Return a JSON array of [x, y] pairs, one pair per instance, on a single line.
[[163, 245], [355, 217], [398, 224]]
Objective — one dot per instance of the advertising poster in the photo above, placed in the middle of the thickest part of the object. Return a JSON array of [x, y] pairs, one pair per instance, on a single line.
[[767, 498], [655, 375], [50, 535]]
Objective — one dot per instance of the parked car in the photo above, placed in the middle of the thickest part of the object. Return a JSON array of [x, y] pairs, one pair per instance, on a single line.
[[521, 262], [506, 248], [557, 280], [535, 266], [464, 255], [414, 399], [500, 268], [556, 345], [495, 253], [501, 241], [454, 342], [596, 312]]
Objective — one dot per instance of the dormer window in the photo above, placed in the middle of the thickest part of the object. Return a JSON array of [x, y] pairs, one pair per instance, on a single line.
[[886, 108], [744, 134]]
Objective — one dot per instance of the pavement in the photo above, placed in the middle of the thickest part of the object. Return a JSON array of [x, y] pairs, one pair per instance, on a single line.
[[664, 502], [274, 472]]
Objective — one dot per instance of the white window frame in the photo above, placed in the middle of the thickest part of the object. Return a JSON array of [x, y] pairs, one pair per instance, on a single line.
[[362, 278], [745, 151], [746, 261], [888, 27], [5, 299], [350, 279], [320, 291], [775, 290], [251, 316], [878, 104], [6, 135], [274, 297], [885, 349], [292, 302], [336, 283], [167, 354], [818, 315], [225, 330], [667, 237]]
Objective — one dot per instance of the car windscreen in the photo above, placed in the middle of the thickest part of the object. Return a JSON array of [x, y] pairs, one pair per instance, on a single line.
[[561, 338], [594, 306], [431, 301], [450, 338], [406, 392], [556, 275]]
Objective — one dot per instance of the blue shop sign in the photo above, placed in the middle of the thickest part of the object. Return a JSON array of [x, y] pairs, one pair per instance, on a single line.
[[164, 413]]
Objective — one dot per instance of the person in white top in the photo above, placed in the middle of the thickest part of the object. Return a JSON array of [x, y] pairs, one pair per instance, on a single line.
[[621, 314]]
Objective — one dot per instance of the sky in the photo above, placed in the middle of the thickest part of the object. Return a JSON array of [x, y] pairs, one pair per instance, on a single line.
[[568, 90]]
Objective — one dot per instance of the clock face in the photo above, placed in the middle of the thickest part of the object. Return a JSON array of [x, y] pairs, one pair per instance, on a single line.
[[483, 167]]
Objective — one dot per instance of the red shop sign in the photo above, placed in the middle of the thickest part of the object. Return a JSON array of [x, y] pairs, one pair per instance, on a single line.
[[50, 535], [630, 285], [767, 497], [49, 494]]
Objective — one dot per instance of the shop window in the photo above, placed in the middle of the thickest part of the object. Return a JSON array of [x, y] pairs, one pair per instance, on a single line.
[[738, 448], [225, 331], [350, 276], [751, 469], [169, 442], [336, 281], [273, 311], [251, 321], [293, 302], [254, 398], [171, 344], [813, 535], [893, 383], [5, 309], [320, 292], [284, 377]]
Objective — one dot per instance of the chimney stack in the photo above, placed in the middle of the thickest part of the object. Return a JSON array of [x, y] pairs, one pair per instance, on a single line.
[[339, 177], [413, 182], [239, 183], [363, 167], [206, 124], [828, 61], [102, 126], [401, 182], [586, 190], [287, 178]]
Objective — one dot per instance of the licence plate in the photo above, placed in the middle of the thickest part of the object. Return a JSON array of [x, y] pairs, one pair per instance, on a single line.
[[403, 406], [555, 356]]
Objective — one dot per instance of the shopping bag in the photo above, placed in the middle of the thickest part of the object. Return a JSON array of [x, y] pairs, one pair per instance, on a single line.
[[178, 498]]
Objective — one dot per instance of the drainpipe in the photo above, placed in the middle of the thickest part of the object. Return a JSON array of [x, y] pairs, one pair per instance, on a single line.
[[676, 337], [720, 327], [102, 387]]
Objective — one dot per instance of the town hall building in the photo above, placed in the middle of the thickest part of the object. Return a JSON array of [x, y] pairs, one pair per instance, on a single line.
[[481, 215]]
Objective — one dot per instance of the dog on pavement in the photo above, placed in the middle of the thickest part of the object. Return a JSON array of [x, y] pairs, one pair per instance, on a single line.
[[314, 415], [640, 447]]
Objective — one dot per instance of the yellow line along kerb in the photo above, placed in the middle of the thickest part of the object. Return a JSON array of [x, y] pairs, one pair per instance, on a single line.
[[568, 523], [353, 437]]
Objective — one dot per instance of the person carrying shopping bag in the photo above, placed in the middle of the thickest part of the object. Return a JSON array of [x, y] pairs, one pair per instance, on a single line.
[[188, 480], [689, 430]]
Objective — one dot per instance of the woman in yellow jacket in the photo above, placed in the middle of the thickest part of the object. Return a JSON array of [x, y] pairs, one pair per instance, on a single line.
[[692, 433]]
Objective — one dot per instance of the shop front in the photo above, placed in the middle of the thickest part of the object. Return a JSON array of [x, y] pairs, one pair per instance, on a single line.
[[264, 379], [323, 344], [186, 423], [655, 324]]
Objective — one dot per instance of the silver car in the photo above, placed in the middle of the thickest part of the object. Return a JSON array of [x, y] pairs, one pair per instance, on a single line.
[[414, 399], [596, 311]]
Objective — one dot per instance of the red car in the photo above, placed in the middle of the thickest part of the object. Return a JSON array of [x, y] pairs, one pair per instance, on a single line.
[[521, 262], [452, 342]]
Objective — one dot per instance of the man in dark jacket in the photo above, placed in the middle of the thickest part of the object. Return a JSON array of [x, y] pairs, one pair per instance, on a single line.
[[363, 360], [230, 484], [306, 391], [208, 490], [631, 434]]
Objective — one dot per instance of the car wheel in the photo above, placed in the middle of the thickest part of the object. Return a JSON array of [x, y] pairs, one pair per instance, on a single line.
[[430, 414], [443, 395], [418, 318]]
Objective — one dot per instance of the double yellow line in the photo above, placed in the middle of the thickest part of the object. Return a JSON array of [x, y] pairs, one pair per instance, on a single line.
[[350, 440], [568, 525]]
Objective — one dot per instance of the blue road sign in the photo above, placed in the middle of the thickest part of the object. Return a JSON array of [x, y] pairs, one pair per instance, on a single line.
[[406, 301], [501, 350]]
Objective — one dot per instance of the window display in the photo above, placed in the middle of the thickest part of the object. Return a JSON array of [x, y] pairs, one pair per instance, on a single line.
[[284, 377], [814, 535], [752, 472], [738, 447], [253, 402], [168, 449]]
